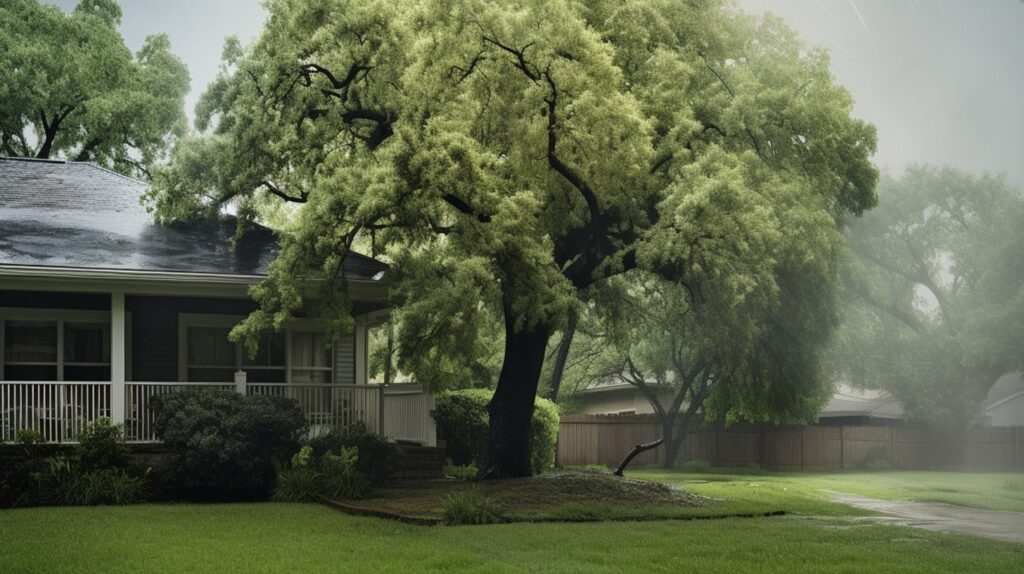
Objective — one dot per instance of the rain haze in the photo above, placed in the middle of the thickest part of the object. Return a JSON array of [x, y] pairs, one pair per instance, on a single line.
[[618, 285], [941, 80]]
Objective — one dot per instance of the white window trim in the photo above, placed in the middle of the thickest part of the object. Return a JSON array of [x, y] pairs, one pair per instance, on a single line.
[[186, 320], [61, 316]]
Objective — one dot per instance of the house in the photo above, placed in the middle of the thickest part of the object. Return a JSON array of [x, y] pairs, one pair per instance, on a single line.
[[1004, 404], [848, 406], [101, 309]]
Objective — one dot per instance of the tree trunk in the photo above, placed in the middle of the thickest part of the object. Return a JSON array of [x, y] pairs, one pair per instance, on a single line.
[[563, 355], [511, 409]]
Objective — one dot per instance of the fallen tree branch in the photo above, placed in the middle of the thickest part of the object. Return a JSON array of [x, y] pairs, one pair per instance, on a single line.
[[636, 450]]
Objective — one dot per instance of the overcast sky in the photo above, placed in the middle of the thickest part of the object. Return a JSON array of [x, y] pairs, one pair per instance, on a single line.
[[943, 80]]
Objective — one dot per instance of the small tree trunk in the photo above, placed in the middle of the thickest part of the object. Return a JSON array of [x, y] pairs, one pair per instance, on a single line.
[[672, 441], [562, 356], [511, 408]]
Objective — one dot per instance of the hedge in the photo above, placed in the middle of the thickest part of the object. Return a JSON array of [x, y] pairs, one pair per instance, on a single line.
[[462, 422]]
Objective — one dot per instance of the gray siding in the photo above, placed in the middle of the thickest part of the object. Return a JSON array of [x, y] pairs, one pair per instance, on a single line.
[[345, 360]]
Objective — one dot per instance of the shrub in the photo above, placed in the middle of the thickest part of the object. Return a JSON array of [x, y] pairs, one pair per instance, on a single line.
[[341, 479], [462, 421], [378, 458], [463, 471], [101, 446], [471, 507], [333, 476], [104, 486], [223, 445]]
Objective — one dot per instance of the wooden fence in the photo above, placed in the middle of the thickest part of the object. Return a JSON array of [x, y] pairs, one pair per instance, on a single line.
[[600, 439]]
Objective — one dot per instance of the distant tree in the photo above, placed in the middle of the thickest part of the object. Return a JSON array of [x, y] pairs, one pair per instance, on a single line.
[[507, 156], [71, 89], [935, 309]]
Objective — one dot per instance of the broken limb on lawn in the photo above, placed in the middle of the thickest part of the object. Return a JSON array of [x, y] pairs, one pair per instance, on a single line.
[[636, 450]]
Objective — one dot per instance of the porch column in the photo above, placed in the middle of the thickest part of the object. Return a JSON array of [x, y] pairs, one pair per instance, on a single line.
[[361, 352], [117, 357]]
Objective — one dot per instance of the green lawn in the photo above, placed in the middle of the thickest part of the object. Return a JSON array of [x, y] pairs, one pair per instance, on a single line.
[[802, 491], [300, 538]]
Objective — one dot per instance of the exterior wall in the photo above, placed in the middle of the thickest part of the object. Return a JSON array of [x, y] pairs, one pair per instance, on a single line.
[[1010, 413], [345, 361], [154, 346], [55, 300]]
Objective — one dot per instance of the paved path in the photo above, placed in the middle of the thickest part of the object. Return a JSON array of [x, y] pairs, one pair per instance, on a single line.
[[1001, 525]]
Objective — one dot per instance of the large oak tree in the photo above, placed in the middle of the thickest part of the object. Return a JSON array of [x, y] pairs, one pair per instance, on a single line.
[[70, 88], [507, 156]]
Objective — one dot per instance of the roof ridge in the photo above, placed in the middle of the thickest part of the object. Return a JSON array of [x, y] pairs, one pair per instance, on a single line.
[[31, 159]]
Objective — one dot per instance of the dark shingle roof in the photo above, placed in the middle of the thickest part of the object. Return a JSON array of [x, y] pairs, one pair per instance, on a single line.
[[75, 214]]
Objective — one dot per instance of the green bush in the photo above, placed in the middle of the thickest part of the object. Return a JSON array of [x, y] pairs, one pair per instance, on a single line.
[[877, 459], [101, 445], [378, 458], [460, 471], [471, 507], [462, 422], [332, 476], [225, 446], [100, 487], [694, 465], [341, 479]]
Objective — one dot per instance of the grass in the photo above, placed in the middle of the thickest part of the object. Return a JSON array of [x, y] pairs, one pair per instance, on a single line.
[[275, 537], [803, 491]]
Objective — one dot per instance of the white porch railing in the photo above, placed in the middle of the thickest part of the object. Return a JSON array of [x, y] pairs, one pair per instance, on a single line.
[[329, 406], [56, 410], [407, 414], [59, 410]]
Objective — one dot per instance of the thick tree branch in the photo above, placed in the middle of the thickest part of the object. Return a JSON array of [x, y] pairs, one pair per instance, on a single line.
[[465, 208], [272, 188]]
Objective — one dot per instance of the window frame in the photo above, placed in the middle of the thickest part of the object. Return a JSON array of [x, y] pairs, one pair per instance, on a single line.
[[187, 320], [61, 316]]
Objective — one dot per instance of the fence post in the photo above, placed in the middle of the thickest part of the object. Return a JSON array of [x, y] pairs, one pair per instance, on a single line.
[[842, 447], [240, 382]]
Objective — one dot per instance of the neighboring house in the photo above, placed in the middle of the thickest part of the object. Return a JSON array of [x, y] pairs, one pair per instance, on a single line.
[[850, 406], [1004, 405], [101, 309], [615, 397], [847, 406]]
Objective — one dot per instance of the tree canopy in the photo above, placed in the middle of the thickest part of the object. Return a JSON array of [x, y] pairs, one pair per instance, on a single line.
[[935, 288], [508, 156], [72, 89]]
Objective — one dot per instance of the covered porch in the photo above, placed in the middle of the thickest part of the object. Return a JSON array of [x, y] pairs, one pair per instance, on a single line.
[[74, 351]]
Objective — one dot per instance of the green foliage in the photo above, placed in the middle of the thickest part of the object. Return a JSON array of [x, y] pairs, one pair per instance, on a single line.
[[508, 157], [877, 459], [471, 507], [331, 476], [935, 286], [101, 487], [101, 445], [223, 446], [462, 422], [378, 457], [341, 477], [693, 465], [460, 472], [28, 437], [72, 88]]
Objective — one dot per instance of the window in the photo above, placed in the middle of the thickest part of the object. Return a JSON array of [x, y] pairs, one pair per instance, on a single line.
[[55, 349], [30, 350], [311, 359], [86, 351], [209, 356]]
